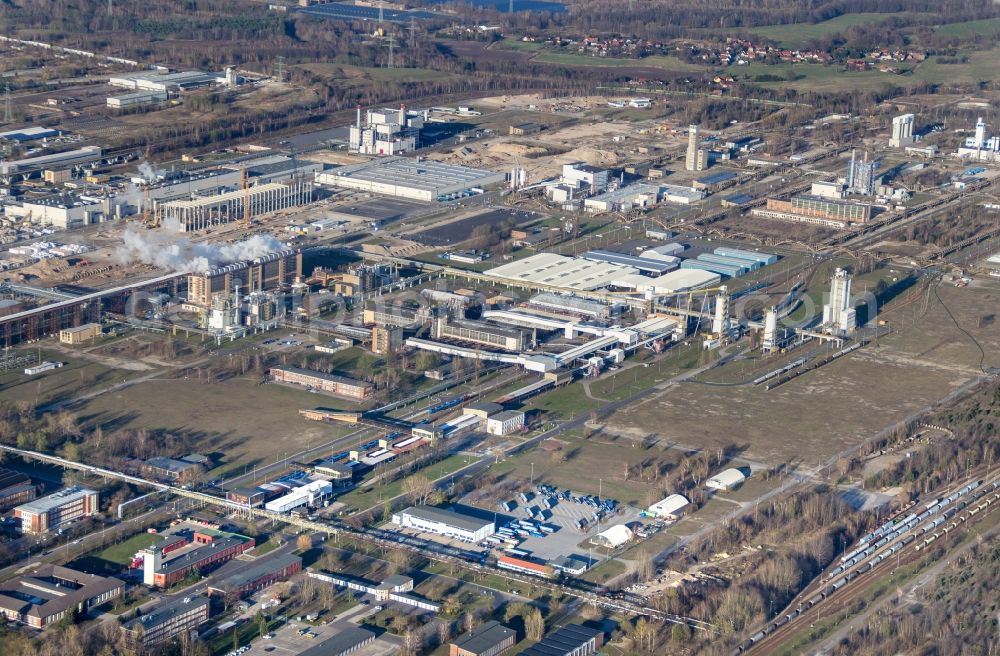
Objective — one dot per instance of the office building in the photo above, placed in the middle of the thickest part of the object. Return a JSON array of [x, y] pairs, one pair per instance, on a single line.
[[51, 593], [429, 519], [525, 566], [386, 339], [166, 622], [692, 158], [15, 488], [489, 639], [310, 494], [838, 313], [342, 386], [570, 640], [505, 423], [902, 131], [209, 549], [264, 572], [54, 511]]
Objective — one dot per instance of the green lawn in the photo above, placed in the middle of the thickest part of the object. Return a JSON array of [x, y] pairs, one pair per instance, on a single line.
[[366, 496], [798, 35], [581, 59], [982, 65], [962, 30], [820, 77]]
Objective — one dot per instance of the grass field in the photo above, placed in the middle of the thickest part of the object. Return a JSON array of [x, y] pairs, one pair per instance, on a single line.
[[366, 496], [348, 75], [968, 28], [798, 35], [241, 422], [981, 66], [74, 377], [579, 59], [843, 403], [819, 77]]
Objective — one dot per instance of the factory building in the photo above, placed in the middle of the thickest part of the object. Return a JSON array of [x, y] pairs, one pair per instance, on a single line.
[[210, 211], [731, 271], [480, 332], [839, 315], [264, 572], [902, 131], [167, 621], [861, 175], [341, 386], [411, 178], [15, 488], [644, 265], [163, 82], [346, 641], [566, 304], [590, 179], [489, 639], [831, 190], [137, 99], [623, 199], [52, 512], [765, 259], [429, 519], [716, 181], [51, 593], [62, 211], [380, 314], [83, 155], [981, 147], [269, 273], [386, 132], [310, 494], [570, 640], [812, 209]]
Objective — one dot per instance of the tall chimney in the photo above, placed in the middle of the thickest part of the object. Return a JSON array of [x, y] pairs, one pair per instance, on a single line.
[[359, 117], [402, 115]]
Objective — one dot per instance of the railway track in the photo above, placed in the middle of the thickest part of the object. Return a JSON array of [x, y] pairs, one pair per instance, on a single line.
[[902, 540]]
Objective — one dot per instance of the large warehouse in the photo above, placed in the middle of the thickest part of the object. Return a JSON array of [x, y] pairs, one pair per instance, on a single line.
[[444, 522], [411, 178], [562, 271]]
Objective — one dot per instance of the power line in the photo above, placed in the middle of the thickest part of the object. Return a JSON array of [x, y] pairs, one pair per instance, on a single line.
[[392, 43]]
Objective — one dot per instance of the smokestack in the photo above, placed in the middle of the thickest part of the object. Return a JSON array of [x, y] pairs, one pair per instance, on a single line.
[[402, 115], [359, 117]]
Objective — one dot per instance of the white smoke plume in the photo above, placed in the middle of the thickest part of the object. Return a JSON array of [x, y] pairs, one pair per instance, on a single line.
[[149, 174], [165, 247]]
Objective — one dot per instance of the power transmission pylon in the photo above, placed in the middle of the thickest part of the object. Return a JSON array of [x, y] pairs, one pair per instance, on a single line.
[[8, 114], [281, 68], [392, 43], [381, 17], [413, 31]]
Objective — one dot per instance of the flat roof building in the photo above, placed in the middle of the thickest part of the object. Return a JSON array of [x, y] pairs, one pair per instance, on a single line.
[[15, 488], [815, 209], [345, 642], [264, 572], [166, 622], [51, 592], [411, 178], [647, 265], [341, 386], [445, 522], [505, 423], [525, 566], [55, 510], [214, 549], [480, 332], [570, 640], [80, 334], [562, 271], [210, 211], [489, 639]]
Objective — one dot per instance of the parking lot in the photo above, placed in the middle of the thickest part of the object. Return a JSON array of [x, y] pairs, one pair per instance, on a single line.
[[564, 514], [287, 640]]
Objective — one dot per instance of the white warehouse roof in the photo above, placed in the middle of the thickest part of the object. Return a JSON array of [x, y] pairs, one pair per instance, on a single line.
[[684, 279], [727, 479], [614, 537], [669, 506], [562, 271], [406, 177]]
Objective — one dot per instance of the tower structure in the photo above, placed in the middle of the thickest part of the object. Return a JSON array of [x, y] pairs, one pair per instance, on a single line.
[[691, 162], [721, 324], [838, 313], [770, 341], [902, 131]]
